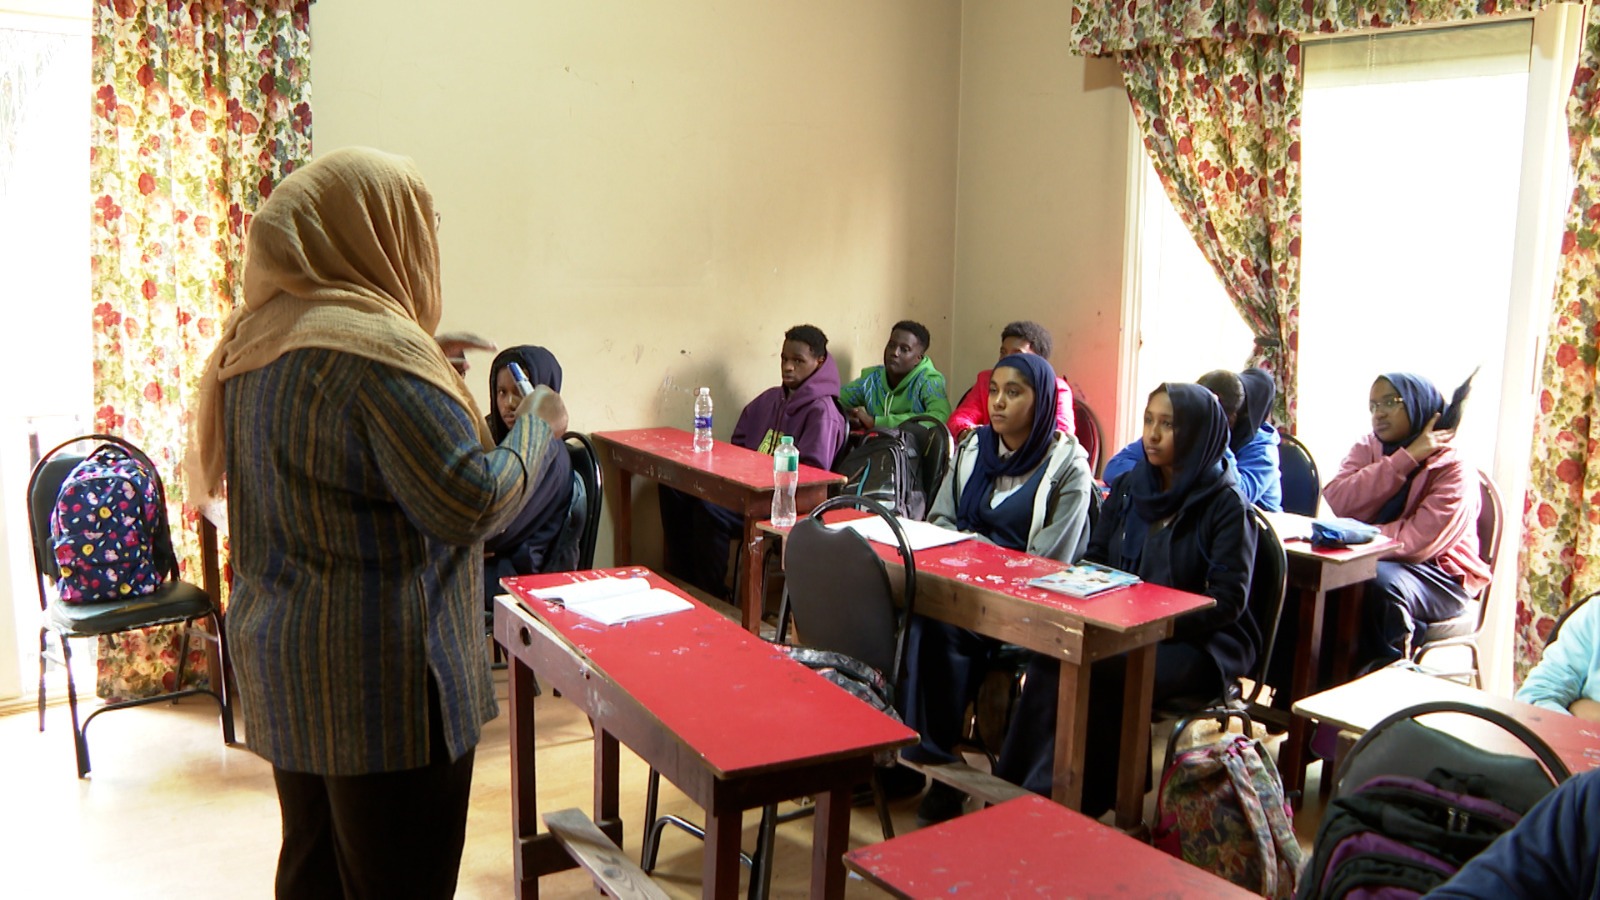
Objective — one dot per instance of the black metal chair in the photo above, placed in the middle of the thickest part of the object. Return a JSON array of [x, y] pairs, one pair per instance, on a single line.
[[586, 466], [839, 597], [175, 602], [1463, 630], [1297, 476], [1086, 425]]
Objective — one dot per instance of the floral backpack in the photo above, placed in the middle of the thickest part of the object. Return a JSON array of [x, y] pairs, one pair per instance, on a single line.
[[1221, 807], [109, 529]]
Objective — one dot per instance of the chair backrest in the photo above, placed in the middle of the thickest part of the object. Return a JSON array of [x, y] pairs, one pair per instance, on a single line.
[[837, 589], [1491, 513], [44, 486], [1268, 586], [586, 466], [1087, 427], [1297, 476]]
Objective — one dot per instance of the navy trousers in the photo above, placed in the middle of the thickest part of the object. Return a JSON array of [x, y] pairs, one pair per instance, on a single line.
[[1398, 606]]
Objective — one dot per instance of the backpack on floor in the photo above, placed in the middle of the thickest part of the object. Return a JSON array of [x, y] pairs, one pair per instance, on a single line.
[[108, 529], [1222, 808], [899, 467], [1427, 802]]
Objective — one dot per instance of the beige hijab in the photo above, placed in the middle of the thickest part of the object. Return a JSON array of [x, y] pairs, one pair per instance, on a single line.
[[343, 256]]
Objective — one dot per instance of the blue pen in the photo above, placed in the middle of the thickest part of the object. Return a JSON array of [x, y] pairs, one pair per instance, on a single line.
[[521, 378]]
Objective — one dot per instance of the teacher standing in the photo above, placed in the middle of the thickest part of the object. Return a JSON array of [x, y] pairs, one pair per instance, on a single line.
[[361, 483]]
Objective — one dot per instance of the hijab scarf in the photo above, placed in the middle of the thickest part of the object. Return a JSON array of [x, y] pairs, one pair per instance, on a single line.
[[1422, 400], [1259, 392], [343, 256], [541, 367], [1200, 435], [990, 465]]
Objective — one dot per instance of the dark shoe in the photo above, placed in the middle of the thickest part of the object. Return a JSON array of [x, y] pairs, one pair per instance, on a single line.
[[941, 804], [900, 782]]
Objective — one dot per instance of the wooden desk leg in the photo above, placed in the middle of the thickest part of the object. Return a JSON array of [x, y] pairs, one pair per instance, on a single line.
[[830, 837], [1138, 690], [524, 779], [1349, 602], [1072, 733], [622, 523], [606, 780], [748, 590], [1296, 749], [719, 873]]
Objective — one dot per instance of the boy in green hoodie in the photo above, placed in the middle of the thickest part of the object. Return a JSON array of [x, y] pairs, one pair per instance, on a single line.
[[905, 385]]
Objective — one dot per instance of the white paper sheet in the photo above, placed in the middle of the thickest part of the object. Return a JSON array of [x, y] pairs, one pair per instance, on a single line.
[[612, 600], [921, 534]]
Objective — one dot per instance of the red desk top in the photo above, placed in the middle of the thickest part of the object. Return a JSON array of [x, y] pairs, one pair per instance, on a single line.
[[987, 567], [725, 460], [1030, 847], [733, 698]]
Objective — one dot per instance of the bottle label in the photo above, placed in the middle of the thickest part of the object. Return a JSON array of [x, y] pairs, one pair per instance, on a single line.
[[791, 464], [702, 421]]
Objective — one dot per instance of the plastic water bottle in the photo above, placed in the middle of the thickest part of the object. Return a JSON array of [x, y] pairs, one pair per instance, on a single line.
[[785, 475], [702, 420]]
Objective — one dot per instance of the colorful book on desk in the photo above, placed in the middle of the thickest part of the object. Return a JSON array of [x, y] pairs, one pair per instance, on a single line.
[[1084, 580], [612, 600]]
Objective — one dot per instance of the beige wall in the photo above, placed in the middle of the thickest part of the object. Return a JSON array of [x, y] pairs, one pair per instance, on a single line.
[[657, 191], [1042, 175]]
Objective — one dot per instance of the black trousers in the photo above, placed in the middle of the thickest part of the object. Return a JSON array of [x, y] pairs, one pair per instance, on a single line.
[[390, 834], [1398, 606]]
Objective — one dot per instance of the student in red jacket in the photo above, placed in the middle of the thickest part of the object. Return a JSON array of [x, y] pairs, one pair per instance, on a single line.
[[1018, 337], [1407, 479]]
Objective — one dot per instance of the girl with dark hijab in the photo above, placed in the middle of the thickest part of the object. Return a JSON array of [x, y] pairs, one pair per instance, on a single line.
[[1018, 482], [1177, 519], [533, 542], [1407, 479]]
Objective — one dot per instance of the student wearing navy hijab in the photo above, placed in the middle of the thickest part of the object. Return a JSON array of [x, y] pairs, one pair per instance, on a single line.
[[1018, 482], [1176, 519], [1406, 478], [533, 542]]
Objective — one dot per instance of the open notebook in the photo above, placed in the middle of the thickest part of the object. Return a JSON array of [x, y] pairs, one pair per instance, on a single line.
[[611, 600], [921, 535]]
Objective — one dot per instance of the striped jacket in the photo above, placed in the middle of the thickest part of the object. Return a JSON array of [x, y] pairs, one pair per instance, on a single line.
[[358, 501]]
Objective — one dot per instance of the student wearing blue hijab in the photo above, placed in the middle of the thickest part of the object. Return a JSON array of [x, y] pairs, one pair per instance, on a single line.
[[1176, 519], [1407, 478], [1017, 482]]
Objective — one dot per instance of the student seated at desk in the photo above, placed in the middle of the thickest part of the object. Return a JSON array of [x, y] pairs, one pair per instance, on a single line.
[[905, 385], [1017, 337], [531, 543], [1407, 479], [696, 533], [1567, 678], [1177, 519], [1017, 482], [1246, 398]]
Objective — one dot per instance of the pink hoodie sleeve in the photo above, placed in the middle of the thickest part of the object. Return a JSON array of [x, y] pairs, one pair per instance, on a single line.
[[973, 409], [1367, 478]]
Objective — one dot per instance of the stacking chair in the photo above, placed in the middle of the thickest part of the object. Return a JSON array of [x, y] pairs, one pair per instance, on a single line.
[[586, 471], [173, 603], [839, 597], [1297, 476], [1463, 630], [1087, 427]]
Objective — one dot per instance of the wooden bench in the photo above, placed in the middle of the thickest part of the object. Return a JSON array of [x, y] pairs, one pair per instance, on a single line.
[[613, 872], [988, 789]]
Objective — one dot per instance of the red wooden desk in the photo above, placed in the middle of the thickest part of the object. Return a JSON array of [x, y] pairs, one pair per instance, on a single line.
[[728, 475], [733, 723], [1359, 705], [1315, 574], [1029, 847], [984, 588]]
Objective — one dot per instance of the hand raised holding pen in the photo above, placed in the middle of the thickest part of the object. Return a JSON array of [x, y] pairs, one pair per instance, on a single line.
[[1429, 441], [547, 405]]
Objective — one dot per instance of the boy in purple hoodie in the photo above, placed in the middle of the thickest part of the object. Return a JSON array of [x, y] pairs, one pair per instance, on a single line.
[[696, 533]]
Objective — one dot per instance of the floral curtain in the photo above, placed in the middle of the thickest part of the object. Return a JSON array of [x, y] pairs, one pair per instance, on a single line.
[[1100, 28], [199, 108], [1561, 511], [1221, 121]]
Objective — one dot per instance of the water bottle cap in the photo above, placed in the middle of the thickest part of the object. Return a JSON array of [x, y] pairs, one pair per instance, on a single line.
[[786, 439], [703, 391]]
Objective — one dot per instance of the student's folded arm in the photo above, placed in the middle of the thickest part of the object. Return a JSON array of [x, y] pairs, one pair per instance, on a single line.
[[1366, 480], [745, 430], [1561, 675], [854, 393], [935, 397], [818, 435], [425, 446], [1065, 534], [1258, 469], [1231, 555], [1438, 521]]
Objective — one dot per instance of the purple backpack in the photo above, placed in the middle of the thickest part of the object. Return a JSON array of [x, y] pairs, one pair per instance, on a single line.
[[108, 529]]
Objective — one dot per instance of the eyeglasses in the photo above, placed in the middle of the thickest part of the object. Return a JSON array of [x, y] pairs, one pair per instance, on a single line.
[[1387, 404]]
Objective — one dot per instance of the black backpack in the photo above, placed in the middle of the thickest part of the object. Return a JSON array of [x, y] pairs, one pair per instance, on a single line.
[[899, 467], [1427, 802]]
